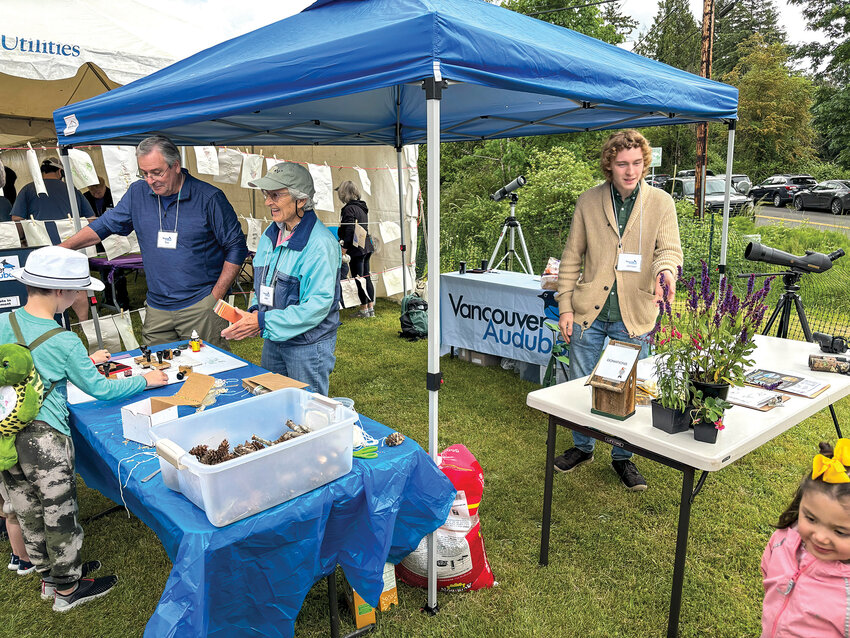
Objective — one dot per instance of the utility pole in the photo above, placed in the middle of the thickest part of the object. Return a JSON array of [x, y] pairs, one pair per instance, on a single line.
[[702, 127]]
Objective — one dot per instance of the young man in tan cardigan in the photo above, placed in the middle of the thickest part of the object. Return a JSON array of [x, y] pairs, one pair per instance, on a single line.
[[623, 240]]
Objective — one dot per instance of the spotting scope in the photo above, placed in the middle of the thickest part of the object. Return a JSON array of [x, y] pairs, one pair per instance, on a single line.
[[810, 262], [508, 188]]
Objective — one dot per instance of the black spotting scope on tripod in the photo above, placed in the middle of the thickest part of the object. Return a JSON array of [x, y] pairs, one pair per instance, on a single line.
[[511, 224], [797, 267]]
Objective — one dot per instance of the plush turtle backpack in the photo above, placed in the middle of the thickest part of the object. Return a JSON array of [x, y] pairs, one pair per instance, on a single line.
[[21, 390]]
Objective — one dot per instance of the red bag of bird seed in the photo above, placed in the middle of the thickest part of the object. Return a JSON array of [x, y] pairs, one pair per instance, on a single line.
[[461, 560]]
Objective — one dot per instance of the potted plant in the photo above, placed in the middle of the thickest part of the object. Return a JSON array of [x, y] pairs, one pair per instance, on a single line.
[[707, 346], [670, 407], [707, 416]]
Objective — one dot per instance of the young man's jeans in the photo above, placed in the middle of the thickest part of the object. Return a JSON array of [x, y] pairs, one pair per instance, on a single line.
[[586, 347], [309, 363]]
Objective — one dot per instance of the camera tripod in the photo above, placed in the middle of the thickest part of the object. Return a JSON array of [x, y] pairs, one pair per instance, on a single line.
[[511, 226], [789, 298]]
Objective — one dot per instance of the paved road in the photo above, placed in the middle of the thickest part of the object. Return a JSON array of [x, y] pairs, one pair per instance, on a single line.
[[818, 219]]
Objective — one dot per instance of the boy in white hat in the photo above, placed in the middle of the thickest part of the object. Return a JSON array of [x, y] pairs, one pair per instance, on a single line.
[[42, 483]]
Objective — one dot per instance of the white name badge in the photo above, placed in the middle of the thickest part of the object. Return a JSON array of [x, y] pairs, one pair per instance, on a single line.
[[628, 262], [267, 295], [166, 240]]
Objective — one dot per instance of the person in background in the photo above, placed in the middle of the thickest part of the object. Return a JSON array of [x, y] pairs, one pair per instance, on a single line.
[[354, 213], [8, 189], [99, 197], [623, 242], [806, 565], [191, 243], [41, 483], [5, 204], [55, 205], [295, 303]]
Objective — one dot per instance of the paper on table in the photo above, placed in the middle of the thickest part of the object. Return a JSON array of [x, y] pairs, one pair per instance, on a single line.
[[323, 183], [616, 362], [365, 182], [206, 158], [786, 382], [9, 235], [252, 168], [121, 168], [82, 168], [229, 165], [752, 397]]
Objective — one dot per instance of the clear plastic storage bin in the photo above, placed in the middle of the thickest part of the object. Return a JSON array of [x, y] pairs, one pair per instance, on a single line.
[[243, 486]]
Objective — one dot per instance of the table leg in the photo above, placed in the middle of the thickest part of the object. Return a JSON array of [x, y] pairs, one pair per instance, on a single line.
[[332, 604], [681, 552], [547, 493]]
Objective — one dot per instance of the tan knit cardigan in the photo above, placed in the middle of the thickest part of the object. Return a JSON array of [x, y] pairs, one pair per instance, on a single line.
[[594, 238]]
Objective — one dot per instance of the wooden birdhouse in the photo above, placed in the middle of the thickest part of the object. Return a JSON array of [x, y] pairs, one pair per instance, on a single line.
[[614, 381]]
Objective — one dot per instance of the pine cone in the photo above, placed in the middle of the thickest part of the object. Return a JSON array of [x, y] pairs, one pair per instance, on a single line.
[[396, 438]]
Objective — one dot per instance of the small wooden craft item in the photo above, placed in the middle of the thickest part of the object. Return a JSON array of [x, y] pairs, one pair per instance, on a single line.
[[615, 399]]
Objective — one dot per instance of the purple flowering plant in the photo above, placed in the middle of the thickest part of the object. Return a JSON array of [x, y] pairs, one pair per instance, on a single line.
[[710, 340]]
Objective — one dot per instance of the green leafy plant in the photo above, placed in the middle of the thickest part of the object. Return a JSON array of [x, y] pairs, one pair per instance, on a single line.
[[708, 409]]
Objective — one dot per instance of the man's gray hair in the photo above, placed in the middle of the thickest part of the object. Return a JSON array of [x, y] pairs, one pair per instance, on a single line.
[[160, 143], [309, 205]]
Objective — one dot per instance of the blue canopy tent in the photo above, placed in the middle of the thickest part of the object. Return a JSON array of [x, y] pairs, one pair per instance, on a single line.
[[352, 72]]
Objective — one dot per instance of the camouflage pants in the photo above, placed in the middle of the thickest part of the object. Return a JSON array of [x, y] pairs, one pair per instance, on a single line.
[[42, 487]]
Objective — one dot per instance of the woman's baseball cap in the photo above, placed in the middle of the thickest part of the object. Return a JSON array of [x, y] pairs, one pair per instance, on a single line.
[[57, 268]]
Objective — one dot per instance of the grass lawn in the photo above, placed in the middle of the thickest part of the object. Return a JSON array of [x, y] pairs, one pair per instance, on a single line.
[[611, 551]]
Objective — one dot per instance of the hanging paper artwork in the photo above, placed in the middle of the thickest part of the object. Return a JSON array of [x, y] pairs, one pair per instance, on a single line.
[[390, 231], [115, 246], [121, 168], [365, 182], [134, 242], [206, 158], [252, 168], [35, 171], [271, 161], [35, 233], [323, 183], [9, 235], [108, 332], [394, 174], [229, 165], [90, 251], [125, 330], [82, 168], [393, 281], [350, 298], [255, 231]]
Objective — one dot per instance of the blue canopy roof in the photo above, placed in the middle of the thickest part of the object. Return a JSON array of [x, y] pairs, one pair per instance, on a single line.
[[348, 72]]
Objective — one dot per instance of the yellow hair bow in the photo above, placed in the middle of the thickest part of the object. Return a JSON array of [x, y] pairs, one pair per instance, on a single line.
[[833, 469]]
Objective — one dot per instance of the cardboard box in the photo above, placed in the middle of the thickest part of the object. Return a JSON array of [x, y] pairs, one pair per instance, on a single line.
[[363, 612], [271, 381], [138, 418], [389, 595], [481, 359]]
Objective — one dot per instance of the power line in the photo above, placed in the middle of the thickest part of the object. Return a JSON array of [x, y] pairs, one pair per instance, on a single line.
[[578, 6]]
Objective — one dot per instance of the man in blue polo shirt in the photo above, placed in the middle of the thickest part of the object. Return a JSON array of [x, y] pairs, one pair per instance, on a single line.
[[191, 242]]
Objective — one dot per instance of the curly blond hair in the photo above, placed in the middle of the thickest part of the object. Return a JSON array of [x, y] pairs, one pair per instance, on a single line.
[[620, 141]]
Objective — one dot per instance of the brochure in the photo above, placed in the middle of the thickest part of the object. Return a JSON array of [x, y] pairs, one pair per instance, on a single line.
[[784, 382]]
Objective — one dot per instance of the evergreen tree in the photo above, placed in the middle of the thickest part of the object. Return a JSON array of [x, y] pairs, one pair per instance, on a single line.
[[603, 22], [744, 19], [673, 37]]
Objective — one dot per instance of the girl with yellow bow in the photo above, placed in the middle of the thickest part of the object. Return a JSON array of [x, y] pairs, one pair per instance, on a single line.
[[806, 564]]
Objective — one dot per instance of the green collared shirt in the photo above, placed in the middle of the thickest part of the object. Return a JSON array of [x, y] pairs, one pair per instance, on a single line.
[[623, 209]]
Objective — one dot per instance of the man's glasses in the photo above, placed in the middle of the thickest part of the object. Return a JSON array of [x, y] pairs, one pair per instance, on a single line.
[[275, 195], [155, 174]]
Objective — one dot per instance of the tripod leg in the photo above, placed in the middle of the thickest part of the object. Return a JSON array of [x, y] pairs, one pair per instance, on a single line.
[[774, 315], [835, 421], [496, 249], [801, 315], [530, 270]]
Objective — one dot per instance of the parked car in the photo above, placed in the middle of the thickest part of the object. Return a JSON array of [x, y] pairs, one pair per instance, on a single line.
[[658, 180], [780, 189], [715, 189], [833, 195], [740, 182], [692, 173]]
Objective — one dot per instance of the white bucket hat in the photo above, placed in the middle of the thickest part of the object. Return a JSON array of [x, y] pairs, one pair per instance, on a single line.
[[57, 268]]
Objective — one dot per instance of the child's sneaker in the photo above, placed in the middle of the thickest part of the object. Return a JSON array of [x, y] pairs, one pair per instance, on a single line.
[[14, 561], [48, 590], [25, 567], [87, 589]]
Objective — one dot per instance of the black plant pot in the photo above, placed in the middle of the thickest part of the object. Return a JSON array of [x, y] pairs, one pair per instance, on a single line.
[[720, 390], [706, 432], [669, 420]]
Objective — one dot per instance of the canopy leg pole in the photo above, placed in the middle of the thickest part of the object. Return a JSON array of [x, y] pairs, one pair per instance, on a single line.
[[433, 93], [724, 233], [75, 213], [401, 221]]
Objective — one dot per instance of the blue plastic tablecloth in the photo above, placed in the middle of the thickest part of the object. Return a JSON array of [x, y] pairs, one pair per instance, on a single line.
[[250, 578]]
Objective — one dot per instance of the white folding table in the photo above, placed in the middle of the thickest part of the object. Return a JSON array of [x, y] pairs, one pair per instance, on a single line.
[[568, 405]]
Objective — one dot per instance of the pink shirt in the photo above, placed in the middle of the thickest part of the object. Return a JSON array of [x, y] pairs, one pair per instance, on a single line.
[[804, 597]]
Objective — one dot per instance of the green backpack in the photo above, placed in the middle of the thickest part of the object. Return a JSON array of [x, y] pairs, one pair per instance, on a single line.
[[414, 318], [21, 389]]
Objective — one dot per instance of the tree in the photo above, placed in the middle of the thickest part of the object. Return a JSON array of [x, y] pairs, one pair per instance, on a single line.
[[607, 24], [673, 37], [774, 131], [744, 19]]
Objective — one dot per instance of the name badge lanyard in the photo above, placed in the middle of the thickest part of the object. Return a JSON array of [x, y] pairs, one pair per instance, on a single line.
[[267, 290], [640, 225], [169, 236]]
